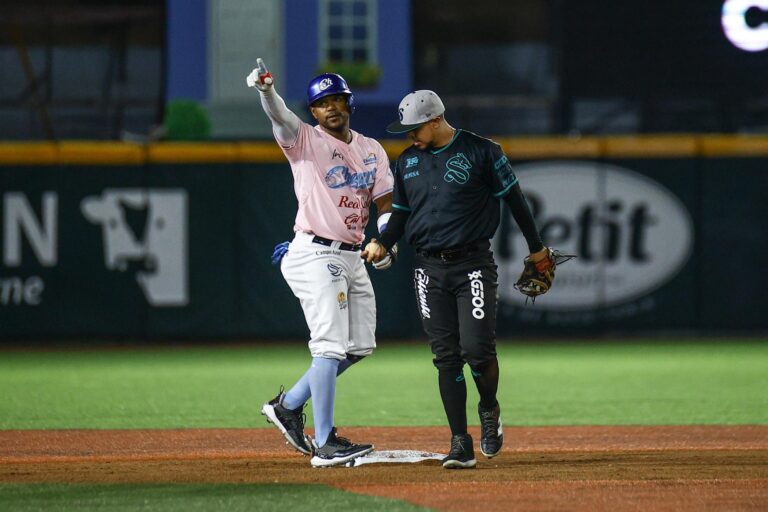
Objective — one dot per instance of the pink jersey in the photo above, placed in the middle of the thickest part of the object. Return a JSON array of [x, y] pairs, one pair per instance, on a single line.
[[336, 182]]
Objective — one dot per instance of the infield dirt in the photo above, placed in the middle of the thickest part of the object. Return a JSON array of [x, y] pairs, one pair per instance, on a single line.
[[540, 468]]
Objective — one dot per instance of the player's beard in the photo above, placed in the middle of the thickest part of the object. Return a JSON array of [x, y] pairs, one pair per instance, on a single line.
[[337, 121], [337, 124]]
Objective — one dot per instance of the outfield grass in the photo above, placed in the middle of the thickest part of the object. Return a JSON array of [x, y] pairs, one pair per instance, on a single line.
[[190, 498], [580, 383]]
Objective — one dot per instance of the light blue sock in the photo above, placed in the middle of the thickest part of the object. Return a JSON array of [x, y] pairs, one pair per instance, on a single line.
[[298, 395], [322, 384]]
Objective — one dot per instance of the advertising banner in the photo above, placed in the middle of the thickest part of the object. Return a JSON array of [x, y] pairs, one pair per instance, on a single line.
[[632, 236], [182, 251]]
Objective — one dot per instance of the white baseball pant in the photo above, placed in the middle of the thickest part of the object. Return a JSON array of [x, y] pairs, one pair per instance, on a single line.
[[336, 295]]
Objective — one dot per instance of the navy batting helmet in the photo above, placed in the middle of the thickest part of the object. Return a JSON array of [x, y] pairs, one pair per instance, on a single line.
[[326, 85]]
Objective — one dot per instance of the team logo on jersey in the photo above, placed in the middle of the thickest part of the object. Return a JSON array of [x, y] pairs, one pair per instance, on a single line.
[[352, 220], [335, 270], [325, 83], [457, 169], [342, 299], [357, 203], [411, 162], [341, 176], [371, 159]]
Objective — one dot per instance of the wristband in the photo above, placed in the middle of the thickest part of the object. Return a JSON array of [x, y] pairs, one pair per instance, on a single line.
[[381, 222]]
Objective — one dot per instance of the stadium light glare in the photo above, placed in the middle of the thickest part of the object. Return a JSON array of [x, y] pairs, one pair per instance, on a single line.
[[738, 31]]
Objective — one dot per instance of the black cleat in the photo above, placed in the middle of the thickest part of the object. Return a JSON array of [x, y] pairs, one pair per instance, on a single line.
[[491, 432], [338, 450], [462, 454], [289, 422]]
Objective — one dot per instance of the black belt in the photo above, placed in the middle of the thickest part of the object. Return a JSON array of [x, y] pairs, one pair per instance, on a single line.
[[455, 253], [342, 245]]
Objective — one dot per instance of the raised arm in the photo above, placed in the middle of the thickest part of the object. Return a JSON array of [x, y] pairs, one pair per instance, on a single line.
[[285, 124]]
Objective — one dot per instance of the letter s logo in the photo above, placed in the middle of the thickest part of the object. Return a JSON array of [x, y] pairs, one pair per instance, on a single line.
[[749, 37], [457, 169]]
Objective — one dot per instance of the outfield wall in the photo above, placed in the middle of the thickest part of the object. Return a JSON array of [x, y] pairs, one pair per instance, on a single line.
[[173, 241]]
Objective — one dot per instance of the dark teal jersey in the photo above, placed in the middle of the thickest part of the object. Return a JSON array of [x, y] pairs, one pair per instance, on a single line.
[[452, 193]]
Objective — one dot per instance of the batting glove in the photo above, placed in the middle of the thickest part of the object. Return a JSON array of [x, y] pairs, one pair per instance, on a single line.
[[260, 78], [280, 251], [388, 260]]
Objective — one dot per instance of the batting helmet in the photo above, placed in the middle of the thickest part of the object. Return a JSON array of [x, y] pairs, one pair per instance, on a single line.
[[326, 85]]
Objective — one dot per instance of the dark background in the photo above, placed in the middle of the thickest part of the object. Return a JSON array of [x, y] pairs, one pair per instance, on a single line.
[[655, 49], [504, 68]]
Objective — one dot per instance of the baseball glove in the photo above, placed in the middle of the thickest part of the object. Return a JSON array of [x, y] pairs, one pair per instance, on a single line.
[[537, 278]]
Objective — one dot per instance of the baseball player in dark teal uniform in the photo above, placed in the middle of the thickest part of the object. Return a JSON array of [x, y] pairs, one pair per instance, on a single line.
[[448, 188]]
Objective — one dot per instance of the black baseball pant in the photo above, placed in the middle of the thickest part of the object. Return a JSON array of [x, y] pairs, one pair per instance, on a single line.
[[456, 300], [457, 304]]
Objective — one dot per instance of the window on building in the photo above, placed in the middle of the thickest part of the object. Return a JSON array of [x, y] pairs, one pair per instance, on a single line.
[[348, 31]]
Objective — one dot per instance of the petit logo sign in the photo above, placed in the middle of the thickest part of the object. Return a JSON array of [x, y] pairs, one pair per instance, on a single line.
[[630, 233]]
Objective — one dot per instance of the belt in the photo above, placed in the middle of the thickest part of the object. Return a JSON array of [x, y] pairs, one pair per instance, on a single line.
[[344, 246], [456, 253]]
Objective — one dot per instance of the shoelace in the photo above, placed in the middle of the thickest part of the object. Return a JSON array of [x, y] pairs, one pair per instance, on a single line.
[[489, 423], [457, 445], [293, 417], [561, 258], [343, 441], [296, 420]]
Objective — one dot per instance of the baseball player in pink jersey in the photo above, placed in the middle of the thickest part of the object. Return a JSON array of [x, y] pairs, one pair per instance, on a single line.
[[337, 174]]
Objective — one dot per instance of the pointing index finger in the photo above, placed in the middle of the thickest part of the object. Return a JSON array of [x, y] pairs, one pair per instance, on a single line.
[[261, 66], [265, 76]]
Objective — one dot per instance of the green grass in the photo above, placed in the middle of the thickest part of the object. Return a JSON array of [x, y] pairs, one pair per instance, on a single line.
[[190, 498], [578, 383]]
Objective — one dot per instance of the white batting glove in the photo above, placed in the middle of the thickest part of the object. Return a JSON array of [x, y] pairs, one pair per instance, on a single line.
[[260, 78], [388, 260]]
